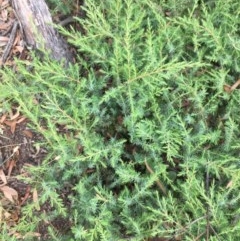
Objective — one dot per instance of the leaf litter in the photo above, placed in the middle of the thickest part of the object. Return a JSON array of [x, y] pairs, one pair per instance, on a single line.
[[17, 151]]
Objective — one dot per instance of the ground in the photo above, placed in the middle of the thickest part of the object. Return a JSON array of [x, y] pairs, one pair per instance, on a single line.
[[18, 150], [19, 144]]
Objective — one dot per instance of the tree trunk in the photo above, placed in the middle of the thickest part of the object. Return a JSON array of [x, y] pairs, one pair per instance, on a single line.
[[38, 32]]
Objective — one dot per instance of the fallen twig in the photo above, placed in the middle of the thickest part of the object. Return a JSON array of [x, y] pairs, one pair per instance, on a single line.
[[229, 89], [10, 43], [159, 183]]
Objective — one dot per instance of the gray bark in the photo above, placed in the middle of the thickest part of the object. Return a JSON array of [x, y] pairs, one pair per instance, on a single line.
[[38, 31]]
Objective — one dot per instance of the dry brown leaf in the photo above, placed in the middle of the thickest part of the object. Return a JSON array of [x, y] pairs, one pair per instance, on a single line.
[[3, 41], [28, 133], [11, 165], [15, 216], [7, 215], [16, 115], [12, 125], [21, 119], [5, 26], [3, 118], [26, 196], [15, 234], [3, 177], [10, 193], [5, 3], [17, 40], [35, 199], [18, 49]]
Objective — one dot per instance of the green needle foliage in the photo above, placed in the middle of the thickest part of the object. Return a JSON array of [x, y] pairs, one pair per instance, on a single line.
[[140, 129], [61, 7]]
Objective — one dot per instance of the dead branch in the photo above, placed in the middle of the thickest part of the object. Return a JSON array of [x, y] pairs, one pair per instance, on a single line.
[[37, 27]]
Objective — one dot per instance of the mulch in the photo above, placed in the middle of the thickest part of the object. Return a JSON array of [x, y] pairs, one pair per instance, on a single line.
[[11, 39], [19, 144]]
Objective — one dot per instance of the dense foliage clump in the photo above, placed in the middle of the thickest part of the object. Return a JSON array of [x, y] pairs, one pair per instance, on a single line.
[[143, 130]]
